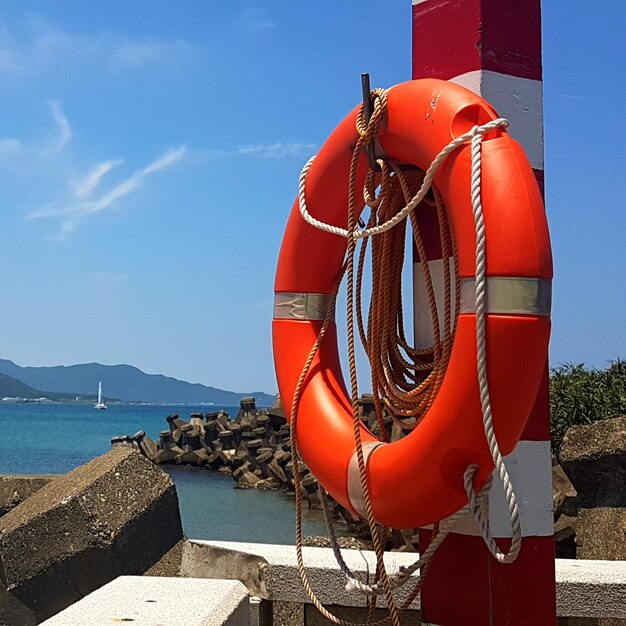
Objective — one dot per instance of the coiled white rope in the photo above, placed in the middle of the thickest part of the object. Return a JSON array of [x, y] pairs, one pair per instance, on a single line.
[[419, 196], [478, 504]]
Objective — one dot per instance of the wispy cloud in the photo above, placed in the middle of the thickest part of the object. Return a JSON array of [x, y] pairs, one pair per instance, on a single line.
[[10, 148], [278, 150], [163, 162], [45, 46], [571, 96], [8, 61], [91, 193], [84, 187], [255, 20], [65, 132], [135, 53], [14, 150], [84, 204]]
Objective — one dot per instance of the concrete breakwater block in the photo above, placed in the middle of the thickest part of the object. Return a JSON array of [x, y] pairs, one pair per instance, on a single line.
[[13, 612], [116, 515], [15, 488], [601, 534], [594, 458]]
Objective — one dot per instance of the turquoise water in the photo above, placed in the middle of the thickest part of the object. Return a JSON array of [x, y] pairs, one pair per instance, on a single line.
[[53, 438]]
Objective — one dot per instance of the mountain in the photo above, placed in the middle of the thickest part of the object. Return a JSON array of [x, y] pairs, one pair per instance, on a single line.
[[125, 382], [12, 388]]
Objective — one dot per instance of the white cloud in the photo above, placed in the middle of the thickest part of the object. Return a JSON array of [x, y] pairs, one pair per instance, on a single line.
[[17, 155], [65, 132], [278, 150], [55, 162], [166, 160], [70, 201], [47, 46], [578, 97], [255, 20], [134, 53], [9, 62], [84, 187], [81, 206], [10, 148]]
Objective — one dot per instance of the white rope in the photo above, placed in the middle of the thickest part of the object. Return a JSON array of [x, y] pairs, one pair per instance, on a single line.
[[481, 345], [419, 196], [308, 218]]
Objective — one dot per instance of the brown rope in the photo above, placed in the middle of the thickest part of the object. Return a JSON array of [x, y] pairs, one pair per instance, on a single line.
[[405, 380]]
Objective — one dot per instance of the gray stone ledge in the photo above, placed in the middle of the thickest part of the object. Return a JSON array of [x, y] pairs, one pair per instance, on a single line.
[[271, 571], [584, 588], [153, 601]]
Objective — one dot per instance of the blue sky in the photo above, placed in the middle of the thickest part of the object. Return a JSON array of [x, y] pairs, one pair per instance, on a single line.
[[149, 155]]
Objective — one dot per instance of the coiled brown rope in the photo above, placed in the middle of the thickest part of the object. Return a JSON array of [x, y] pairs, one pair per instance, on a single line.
[[405, 380]]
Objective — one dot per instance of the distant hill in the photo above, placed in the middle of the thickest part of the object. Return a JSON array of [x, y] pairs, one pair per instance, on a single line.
[[12, 388], [125, 382]]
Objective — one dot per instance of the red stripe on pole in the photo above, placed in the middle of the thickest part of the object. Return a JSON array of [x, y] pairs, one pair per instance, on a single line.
[[540, 181], [428, 224], [538, 427], [458, 36], [511, 600], [468, 603], [466, 585], [457, 596]]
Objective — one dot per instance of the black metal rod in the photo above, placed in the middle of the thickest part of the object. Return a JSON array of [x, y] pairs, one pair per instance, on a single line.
[[367, 114], [367, 97]]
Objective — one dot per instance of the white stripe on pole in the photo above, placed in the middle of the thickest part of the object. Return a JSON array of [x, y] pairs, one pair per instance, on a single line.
[[423, 331], [520, 100], [529, 467]]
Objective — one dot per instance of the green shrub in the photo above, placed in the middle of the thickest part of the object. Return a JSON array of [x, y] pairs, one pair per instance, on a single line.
[[581, 396]]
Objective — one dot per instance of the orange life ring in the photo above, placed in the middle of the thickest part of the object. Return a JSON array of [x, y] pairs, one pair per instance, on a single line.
[[419, 479]]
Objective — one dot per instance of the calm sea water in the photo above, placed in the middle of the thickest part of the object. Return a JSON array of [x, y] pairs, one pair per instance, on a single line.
[[53, 438]]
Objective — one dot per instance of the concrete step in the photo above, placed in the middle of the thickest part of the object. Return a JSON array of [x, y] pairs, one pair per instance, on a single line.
[[153, 601]]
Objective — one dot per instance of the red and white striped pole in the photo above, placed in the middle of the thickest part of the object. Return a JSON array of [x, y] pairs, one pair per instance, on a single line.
[[494, 49]]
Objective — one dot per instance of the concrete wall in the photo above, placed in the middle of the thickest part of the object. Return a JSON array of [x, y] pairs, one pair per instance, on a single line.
[[589, 593], [152, 601], [585, 589]]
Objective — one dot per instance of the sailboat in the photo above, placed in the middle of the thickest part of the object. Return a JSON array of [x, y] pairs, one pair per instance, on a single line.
[[100, 404]]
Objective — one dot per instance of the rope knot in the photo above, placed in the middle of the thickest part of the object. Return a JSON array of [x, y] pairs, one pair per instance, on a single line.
[[368, 131]]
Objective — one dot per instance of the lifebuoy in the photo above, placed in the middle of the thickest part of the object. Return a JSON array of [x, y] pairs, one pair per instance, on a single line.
[[419, 479]]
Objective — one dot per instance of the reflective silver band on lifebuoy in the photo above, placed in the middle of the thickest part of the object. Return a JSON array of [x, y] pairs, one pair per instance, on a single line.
[[301, 306], [355, 491], [510, 295], [505, 295]]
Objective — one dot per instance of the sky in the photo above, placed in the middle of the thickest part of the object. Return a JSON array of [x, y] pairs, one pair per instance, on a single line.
[[150, 153]]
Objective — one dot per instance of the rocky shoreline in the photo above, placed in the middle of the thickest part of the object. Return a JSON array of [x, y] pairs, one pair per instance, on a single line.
[[253, 448]]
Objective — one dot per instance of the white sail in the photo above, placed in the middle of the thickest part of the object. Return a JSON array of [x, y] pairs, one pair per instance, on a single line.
[[100, 404]]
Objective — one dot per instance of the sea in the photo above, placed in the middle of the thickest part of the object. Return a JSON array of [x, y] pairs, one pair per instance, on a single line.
[[54, 438]]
